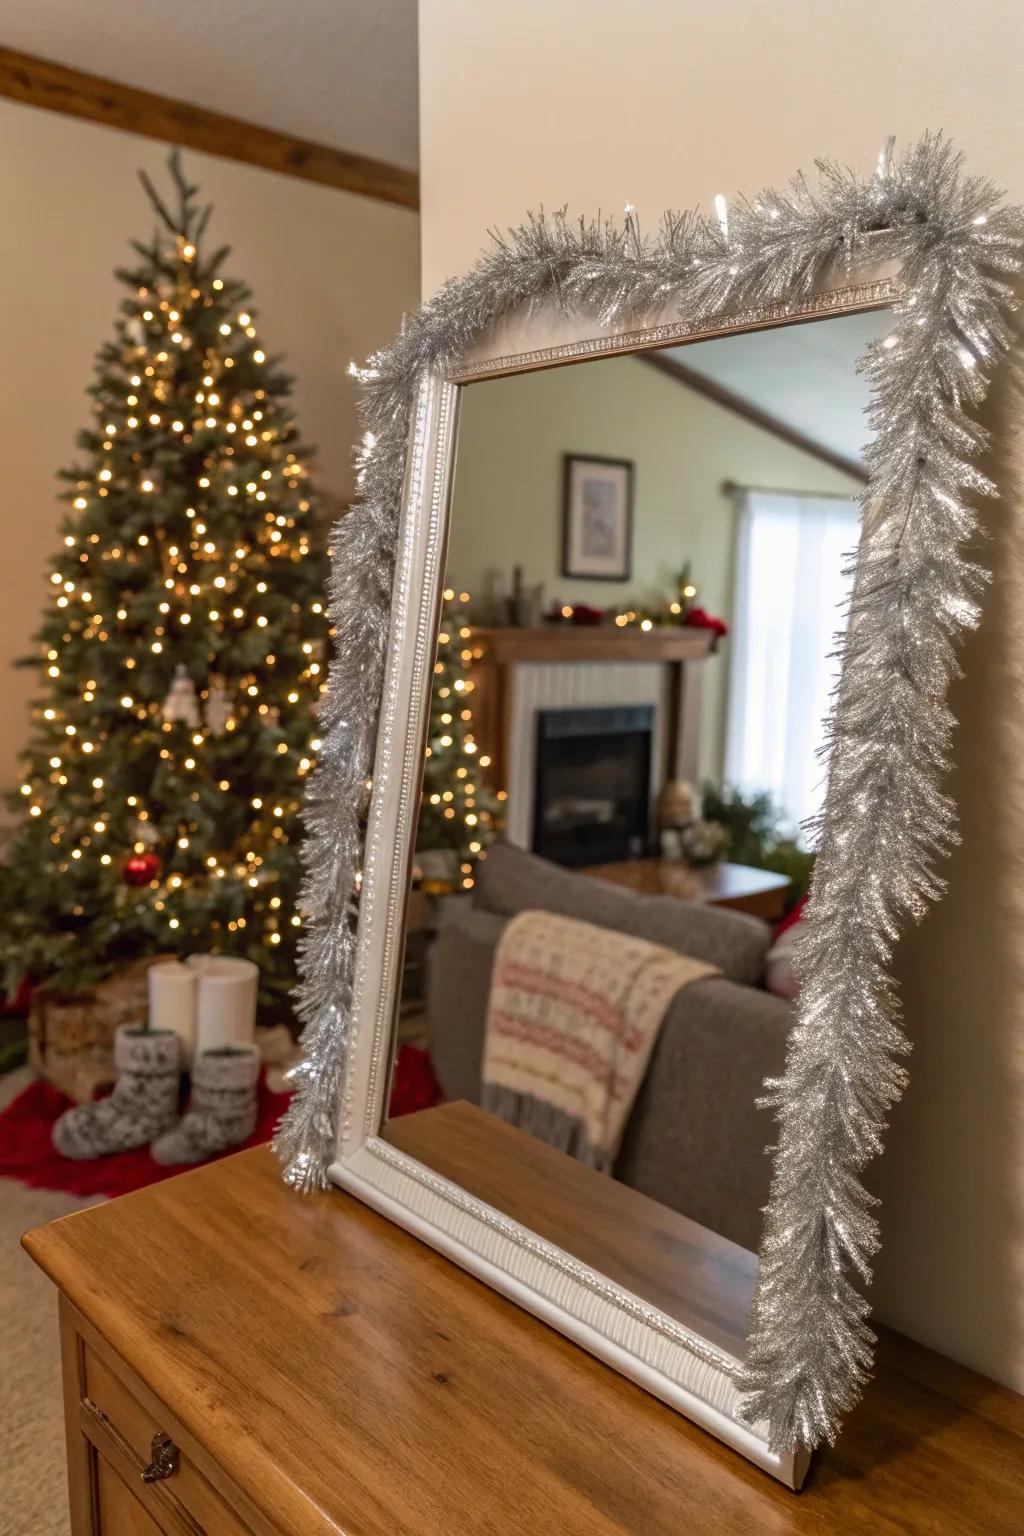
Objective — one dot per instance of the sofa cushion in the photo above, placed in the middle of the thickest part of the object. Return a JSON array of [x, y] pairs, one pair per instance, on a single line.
[[459, 967], [510, 881], [696, 1138]]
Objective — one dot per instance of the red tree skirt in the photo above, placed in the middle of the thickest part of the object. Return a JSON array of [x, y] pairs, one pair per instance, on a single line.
[[27, 1152]]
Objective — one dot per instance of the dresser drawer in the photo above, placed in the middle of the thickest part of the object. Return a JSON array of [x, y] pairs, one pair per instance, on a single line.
[[131, 1467], [163, 1472], [117, 1510]]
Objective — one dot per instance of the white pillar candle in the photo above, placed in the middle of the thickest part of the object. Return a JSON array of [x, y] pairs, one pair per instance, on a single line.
[[227, 1001], [172, 1002]]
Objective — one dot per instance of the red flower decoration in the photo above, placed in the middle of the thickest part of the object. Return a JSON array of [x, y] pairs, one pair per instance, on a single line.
[[575, 613], [699, 618], [584, 613]]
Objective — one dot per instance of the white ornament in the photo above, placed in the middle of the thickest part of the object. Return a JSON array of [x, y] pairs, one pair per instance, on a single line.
[[181, 707], [145, 832], [217, 710]]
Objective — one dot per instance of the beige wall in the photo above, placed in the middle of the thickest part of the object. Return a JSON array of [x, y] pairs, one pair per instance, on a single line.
[[507, 506], [666, 102], [331, 275]]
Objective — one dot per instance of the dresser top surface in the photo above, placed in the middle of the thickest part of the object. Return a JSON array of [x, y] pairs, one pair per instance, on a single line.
[[351, 1380]]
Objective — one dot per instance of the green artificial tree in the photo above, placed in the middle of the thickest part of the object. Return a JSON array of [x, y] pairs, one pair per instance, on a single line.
[[457, 815], [183, 646]]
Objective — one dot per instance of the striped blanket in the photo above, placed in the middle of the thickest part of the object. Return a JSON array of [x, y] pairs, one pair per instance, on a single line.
[[573, 1017]]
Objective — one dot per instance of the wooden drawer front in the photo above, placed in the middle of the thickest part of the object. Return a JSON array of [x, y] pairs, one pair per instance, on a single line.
[[118, 1511], [123, 1431]]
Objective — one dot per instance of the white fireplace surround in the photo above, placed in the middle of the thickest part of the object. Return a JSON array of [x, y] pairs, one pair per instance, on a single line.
[[575, 685]]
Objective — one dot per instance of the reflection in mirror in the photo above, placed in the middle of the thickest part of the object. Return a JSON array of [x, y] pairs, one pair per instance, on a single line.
[[647, 568]]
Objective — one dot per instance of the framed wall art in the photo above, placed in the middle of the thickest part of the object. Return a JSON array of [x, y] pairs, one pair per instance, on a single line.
[[597, 518]]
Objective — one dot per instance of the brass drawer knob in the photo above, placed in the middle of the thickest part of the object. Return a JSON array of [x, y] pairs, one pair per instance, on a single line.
[[165, 1456]]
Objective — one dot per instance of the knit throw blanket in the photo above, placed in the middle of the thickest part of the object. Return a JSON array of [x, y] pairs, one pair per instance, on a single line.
[[573, 1017]]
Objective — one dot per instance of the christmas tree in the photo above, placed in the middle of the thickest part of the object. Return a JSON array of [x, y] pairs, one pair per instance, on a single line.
[[457, 813], [182, 648]]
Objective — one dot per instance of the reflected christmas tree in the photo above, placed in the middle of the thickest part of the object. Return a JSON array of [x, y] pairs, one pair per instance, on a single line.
[[457, 817], [183, 646]]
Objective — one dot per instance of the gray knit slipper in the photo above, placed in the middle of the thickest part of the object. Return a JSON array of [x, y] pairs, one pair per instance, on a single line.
[[143, 1104], [222, 1112]]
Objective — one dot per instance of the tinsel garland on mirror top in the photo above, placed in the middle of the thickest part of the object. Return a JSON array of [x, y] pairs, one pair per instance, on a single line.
[[887, 818]]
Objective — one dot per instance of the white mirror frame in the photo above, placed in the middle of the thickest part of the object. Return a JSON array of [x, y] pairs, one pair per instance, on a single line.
[[695, 1376], [532, 304]]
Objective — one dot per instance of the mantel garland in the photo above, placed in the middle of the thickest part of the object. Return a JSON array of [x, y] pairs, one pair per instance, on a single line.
[[887, 818]]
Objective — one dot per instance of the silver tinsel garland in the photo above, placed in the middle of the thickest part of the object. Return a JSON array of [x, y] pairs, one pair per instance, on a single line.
[[886, 819]]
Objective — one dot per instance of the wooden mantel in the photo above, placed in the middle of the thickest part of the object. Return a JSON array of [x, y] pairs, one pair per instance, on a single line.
[[498, 653], [592, 642]]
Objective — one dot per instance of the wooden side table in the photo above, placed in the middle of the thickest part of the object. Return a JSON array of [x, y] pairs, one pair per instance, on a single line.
[[757, 891], [240, 1361]]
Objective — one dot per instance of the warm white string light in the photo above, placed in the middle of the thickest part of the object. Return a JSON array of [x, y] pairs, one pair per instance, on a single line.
[[181, 583]]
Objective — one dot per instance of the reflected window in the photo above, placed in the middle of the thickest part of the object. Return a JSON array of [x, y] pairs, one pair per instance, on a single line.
[[792, 584]]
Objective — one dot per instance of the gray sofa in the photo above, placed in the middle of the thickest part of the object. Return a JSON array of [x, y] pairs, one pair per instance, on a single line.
[[695, 1140]]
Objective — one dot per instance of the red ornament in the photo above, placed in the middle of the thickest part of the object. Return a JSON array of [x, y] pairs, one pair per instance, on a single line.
[[140, 868], [19, 999]]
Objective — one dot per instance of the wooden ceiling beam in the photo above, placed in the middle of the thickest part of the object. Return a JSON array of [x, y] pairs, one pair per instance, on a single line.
[[688, 377], [41, 83]]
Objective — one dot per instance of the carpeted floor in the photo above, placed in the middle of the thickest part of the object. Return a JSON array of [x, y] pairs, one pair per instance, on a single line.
[[33, 1494]]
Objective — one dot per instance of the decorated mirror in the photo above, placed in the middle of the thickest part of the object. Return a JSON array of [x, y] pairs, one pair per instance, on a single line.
[[632, 768]]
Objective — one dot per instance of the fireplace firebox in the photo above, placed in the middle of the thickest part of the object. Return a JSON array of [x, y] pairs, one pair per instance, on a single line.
[[592, 793]]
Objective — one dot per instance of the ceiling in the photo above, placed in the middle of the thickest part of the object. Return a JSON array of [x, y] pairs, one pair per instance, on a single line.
[[340, 72], [803, 375]]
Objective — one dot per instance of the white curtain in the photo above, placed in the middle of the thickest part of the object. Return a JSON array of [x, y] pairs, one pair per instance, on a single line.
[[789, 606]]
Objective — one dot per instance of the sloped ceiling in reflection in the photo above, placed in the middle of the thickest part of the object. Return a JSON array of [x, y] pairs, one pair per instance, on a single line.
[[802, 375]]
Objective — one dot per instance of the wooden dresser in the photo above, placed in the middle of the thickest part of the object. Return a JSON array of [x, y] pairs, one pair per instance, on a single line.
[[242, 1362]]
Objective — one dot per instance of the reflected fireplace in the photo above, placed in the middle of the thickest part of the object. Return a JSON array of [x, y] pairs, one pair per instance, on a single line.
[[592, 799]]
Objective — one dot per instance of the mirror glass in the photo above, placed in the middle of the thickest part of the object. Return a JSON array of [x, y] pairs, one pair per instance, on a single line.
[[648, 563]]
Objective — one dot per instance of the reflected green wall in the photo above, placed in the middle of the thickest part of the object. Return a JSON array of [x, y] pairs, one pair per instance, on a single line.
[[508, 489]]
